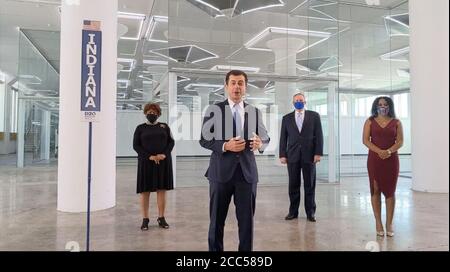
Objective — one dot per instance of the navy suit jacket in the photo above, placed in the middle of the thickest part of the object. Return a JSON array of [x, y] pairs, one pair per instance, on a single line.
[[217, 129], [295, 145]]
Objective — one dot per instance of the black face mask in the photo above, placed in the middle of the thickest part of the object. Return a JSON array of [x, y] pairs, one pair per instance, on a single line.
[[152, 117]]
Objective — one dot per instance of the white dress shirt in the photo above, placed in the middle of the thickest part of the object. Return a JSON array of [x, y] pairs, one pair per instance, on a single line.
[[299, 119], [241, 114], [241, 111]]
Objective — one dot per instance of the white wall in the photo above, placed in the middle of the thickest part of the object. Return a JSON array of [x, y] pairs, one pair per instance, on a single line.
[[8, 148], [127, 121], [6, 145], [350, 139], [429, 58], [186, 141]]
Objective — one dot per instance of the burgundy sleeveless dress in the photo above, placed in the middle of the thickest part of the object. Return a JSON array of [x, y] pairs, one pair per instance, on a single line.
[[384, 172]]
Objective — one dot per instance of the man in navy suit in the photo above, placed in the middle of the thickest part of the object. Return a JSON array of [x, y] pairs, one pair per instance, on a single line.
[[233, 130], [301, 147]]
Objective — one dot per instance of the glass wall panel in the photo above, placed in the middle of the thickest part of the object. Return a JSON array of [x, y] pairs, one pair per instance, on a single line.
[[283, 48], [38, 91], [374, 56], [8, 68], [398, 23], [321, 98], [276, 46], [142, 76]]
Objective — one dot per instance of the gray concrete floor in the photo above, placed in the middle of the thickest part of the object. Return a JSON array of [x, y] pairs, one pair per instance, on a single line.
[[29, 220]]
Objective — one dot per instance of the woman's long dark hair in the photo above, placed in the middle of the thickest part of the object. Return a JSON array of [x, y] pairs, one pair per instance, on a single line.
[[390, 103]]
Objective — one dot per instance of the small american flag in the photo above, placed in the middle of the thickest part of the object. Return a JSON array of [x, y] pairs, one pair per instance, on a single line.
[[91, 25]]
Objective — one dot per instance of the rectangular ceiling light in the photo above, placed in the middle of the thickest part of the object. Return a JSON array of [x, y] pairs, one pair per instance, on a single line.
[[193, 86], [286, 31], [396, 53], [155, 62], [183, 78], [133, 16], [280, 4], [147, 78], [209, 5], [154, 21], [395, 27], [130, 63], [232, 67], [220, 8], [123, 83]]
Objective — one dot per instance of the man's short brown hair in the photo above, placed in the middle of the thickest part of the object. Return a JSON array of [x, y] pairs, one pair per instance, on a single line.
[[152, 106], [236, 73]]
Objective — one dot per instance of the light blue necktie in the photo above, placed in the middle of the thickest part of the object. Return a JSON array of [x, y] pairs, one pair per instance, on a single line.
[[237, 120], [299, 121]]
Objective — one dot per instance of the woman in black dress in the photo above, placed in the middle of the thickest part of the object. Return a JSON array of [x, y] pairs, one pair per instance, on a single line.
[[153, 143]]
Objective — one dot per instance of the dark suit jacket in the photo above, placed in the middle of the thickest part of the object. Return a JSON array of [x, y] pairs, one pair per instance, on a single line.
[[217, 129], [295, 145]]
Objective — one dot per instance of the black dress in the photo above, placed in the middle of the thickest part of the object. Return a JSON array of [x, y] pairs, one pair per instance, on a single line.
[[151, 140]]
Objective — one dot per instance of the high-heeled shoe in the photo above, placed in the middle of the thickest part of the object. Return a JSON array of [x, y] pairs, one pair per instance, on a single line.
[[162, 223], [144, 225], [390, 233], [380, 233]]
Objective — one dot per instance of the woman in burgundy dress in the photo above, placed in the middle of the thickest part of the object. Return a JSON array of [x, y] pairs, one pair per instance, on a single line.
[[383, 135]]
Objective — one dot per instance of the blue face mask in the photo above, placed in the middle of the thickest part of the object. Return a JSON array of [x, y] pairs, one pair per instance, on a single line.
[[383, 111], [299, 105]]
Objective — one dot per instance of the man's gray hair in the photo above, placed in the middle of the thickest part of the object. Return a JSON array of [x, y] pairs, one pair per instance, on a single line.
[[299, 93]]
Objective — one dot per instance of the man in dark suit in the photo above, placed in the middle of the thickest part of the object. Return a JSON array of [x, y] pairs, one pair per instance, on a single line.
[[233, 130], [301, 147]]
